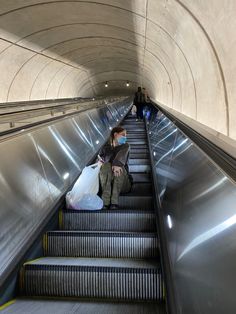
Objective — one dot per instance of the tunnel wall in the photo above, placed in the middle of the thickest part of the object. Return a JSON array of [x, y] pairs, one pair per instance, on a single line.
[[182, 51], [38, 167]]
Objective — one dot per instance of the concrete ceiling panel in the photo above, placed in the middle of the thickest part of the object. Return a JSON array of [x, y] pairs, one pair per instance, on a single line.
[[182, 51]]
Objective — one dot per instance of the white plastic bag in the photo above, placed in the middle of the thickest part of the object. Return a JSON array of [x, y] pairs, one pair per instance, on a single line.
[[87, 184], [133, 110], [89, 202]]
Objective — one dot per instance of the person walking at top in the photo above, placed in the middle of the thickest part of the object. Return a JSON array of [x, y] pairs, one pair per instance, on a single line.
[[114, 174], [139, 102], [147, 103]]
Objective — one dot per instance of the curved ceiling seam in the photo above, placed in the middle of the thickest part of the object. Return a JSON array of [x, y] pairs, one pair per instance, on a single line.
[[186, 59], [165, 70], [34, 81], [145, 33], [15, 75], [124, 48], [131, 60], [37, 53], [49, 47], [86, 83], [176, 72], [73, 1], [62, 82], [75, 79], [106, 38], [148, 68], [217, 60], [82, 23], [24, 64], [51, 80], [55, 78], [170, 80]]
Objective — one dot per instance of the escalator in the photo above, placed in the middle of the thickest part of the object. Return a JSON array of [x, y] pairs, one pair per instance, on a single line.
[[104, 261]]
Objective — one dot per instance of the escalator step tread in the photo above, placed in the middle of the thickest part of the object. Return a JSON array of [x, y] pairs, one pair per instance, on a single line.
[[42, 306], [107, 220], [140, 189], [139, 168], [101, 244], [131, 202], [141, 177], [139, 161], [80, 277]]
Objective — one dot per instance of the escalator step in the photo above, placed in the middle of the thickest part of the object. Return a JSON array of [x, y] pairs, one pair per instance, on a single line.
[[140, 189], [141, 177], [116, 279], [101, 244], [132, 135], [42, 306], [136, 202], [109, 220], [137, 141], [139, 155], [138, 150], [139, 161], [139, 168]]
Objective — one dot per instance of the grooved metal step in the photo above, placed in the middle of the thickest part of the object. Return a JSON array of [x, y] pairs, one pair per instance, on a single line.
[[116, 279], [137, 150], [141, 177], [139, 155], [137, 141], [107, 220], [132, 135], [136, 202], [101, 244], [139, 168], [130, 128], [141, 189], [43, 306], [139, 161]]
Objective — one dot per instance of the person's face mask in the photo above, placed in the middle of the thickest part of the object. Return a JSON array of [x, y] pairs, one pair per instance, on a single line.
[[122, 140]]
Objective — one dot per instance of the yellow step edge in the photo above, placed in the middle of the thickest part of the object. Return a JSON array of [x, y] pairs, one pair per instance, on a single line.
[[45, 243], [60, 219], [2, 307], [32, 261]]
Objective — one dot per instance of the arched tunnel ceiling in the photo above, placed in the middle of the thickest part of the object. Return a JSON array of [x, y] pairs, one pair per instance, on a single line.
[[182, 51]]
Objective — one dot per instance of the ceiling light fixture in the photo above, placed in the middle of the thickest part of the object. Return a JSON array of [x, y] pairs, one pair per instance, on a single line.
[[127, 83], [106, 84]]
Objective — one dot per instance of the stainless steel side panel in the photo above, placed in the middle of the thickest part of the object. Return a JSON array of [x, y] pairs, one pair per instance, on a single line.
[[36, 168], [199, 207]]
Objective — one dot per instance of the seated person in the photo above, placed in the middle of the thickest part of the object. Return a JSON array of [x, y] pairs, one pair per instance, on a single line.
[[114, 173]]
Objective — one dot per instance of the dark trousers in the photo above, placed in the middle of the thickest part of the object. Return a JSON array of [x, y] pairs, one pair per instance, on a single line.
[[112, 186], [139, 111]]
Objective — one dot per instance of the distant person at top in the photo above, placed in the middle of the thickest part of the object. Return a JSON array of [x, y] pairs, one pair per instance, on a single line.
[[147, 103], [139, 103], [146, 96]]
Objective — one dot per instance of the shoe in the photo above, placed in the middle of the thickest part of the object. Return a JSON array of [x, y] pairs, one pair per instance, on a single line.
[[105, 207], [114, 206]]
